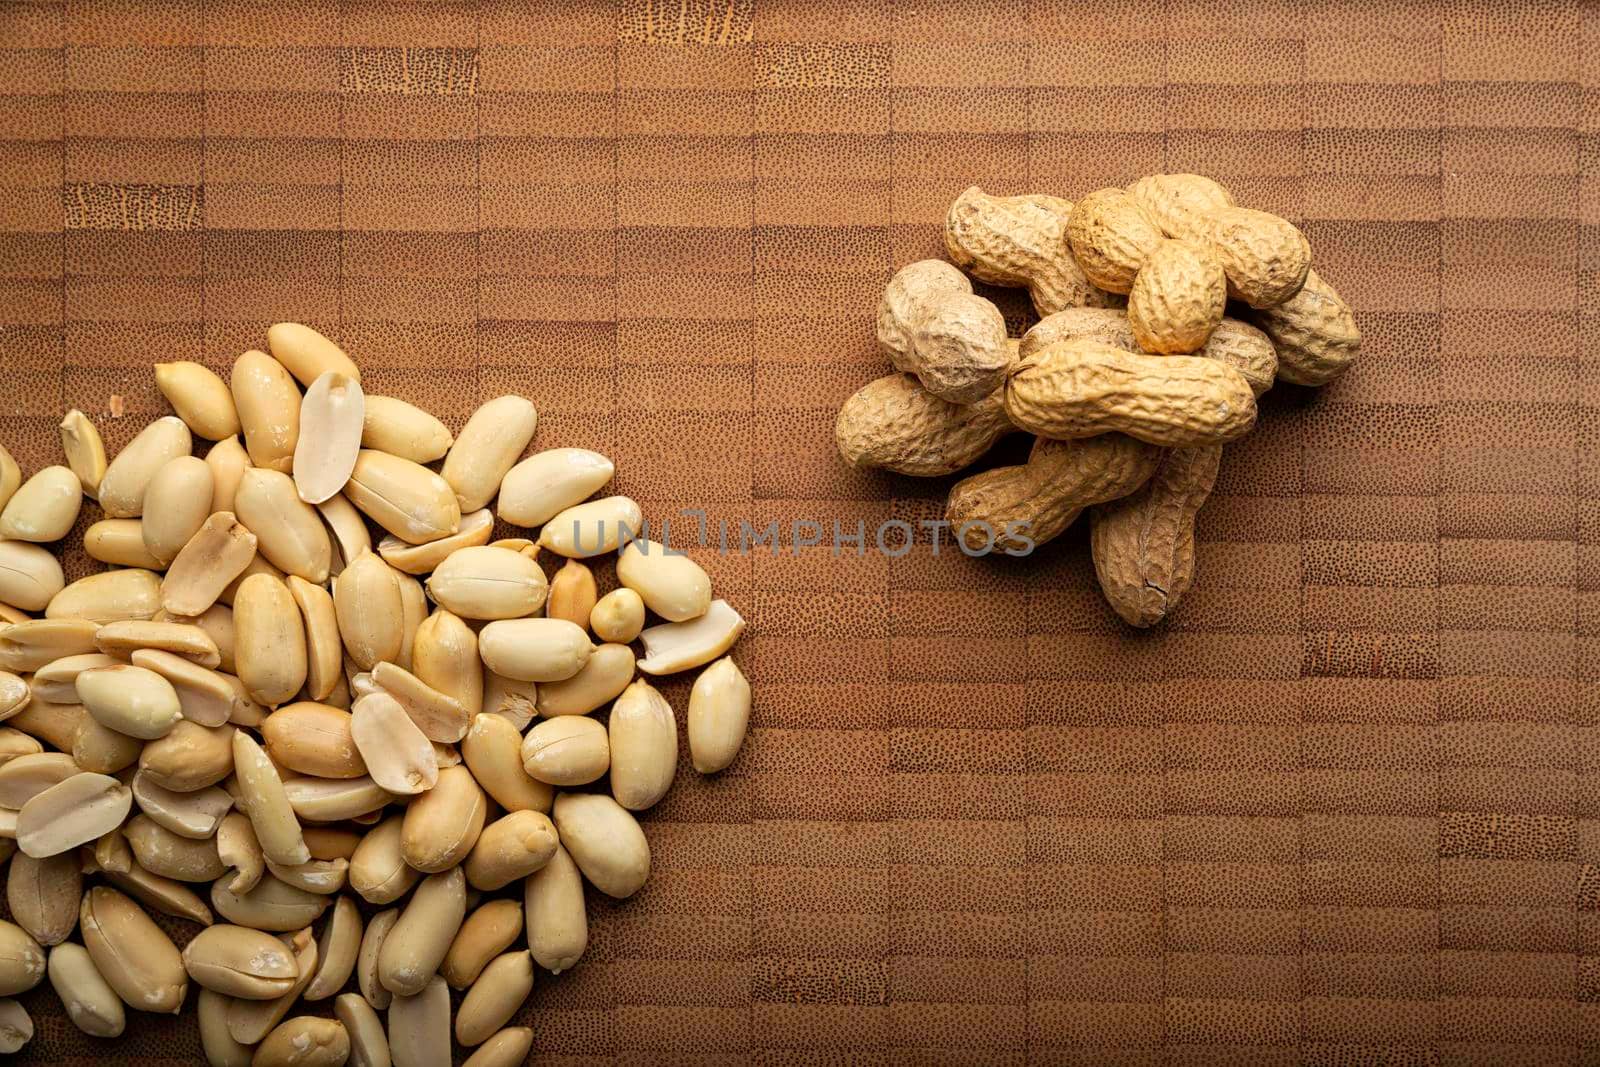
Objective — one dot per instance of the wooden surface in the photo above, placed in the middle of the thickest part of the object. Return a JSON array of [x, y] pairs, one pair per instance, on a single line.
[[1339, 811]]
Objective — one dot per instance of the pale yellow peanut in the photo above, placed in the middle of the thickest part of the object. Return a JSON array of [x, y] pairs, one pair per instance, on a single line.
[[333, 799], [511, 847], [510, 698], [406, 499], [30, 576], [228, 461], [250, 1021], [414, 948], [268, 405], [177, 504], [414, 608], [324, 649], [378, 870], [371, 615], [594, 528], [644, 746], [572, 594], [122, 639], [420, 559], [330, 842], [110, 852], [14, 694], [403, 430], [54, 724], [217, 554], [43, 895], [494, 998], [534, 650], [271, 652], [194, 814], [270, 905], [191, 757], [44, 507], [330, 436], [568, 750], [266, 803], [439, 717], [444, 657], [85, 451], [200, 397], [98, 748], [56, 681], [25, 777], [419, 1027], [324, 877], [605, 841], [90, 1002], [442, 825], [485, 449], [719, 715], [220, 1049], [258, 565], [488, 583], [160, 851], [289, 532], [346, 529], [618, 616], [372, 939], [308, 354], [337, 949], [119, 542], [14, 743], [557, 924], [22, 960], [369, 1044], [671, 584], [130, 700], [123, 485], [304, 1041], [133, 593], [136, 959], [16, 1026], [508, 1048], [162, 895], [547, 483], [680, 646], [492, 751], [240, 852], [240, 962], [395, 752], [489, 930], [313, 739]]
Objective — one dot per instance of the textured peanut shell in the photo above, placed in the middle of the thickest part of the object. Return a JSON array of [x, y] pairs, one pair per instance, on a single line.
[[1265, 257], [1047, 493], [896, 424], [1178, 298], [1180, 203], [931, 324], [1081, 388], [1020, 241], [1111, 236], [1314, 332], [1238, 344], [1143, 544]]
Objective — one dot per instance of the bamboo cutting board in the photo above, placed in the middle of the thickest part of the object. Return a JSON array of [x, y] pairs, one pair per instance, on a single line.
[[1340, 810]]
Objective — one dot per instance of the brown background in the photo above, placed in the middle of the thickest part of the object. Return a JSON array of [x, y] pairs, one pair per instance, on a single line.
[[1341, 810]]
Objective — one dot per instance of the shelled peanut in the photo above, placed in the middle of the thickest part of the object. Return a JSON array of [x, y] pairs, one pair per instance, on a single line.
[[256, 697], [1133, 379]]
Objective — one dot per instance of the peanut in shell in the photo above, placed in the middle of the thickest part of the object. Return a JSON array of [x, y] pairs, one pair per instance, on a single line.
[[1314, 332], [1020, 241], [1111, 237], [895, 424], [1178, 298], [932, 325]]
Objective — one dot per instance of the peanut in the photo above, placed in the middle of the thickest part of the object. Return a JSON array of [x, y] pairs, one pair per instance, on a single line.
[[1314, 332], [1177, 298], [896, 424], [268, 405], [330, 436], [1020, 241], [200, 398], [1239, 345], [1081, 388], [1111, 236], [85, 451], [932, 325], [44, 507]]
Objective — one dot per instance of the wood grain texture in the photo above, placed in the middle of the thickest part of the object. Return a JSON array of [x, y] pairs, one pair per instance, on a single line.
[[1341, 808]]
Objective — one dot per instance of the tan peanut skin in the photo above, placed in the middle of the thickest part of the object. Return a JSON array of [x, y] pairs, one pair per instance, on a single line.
[[1111, 236], [1238, 344], [1143, 544], [1047, 493], [1020, 241], [895, 424], [1178, 298], [1180, 203], [1082, 388], [932, 325], [1314, 332], [1265, 257]]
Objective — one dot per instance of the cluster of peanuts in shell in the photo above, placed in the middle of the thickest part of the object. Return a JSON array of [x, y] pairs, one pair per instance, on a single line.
[[1165, 310], [256, 698]]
